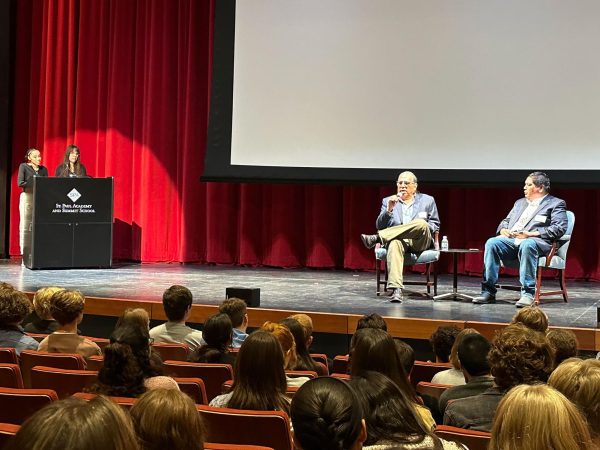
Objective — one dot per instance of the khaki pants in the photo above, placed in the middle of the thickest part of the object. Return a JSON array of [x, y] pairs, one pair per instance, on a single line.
[[414, 236]]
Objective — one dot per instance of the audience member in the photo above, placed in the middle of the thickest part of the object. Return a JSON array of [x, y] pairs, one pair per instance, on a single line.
[[259, 382], [406, 355], [532, 317], [454, 376], [374, 349], [14, 306], [472, 353], [66, 306], [579, 381], [218, 334], [391, 418], [127, 370], [564, 342], [519, 355], [288, 345], [303, 359], [237, 311], [538, 417], [177, 303], [326, 414], [371, 321], [40, 320], [168, 419], [307, 325], [76, 424], [134, 316], [442, 340]]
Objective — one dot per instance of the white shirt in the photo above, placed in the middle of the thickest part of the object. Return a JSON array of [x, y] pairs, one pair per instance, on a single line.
[[177, 333]]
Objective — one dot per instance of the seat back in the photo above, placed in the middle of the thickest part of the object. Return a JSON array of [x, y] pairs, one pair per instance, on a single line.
[[8, 355], [194, 388], [340, 364], [65, 382], [10, 376], [432, 389], [215, 446], [424, 371], [7, 431], [32, 358], [474, 440], [176, 352], [125, 402], [95, 362], [19, 404], [244, 427], [564, 248], [213, 374], [301, 373]]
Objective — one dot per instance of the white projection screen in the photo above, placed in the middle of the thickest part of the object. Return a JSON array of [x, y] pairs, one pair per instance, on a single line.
[[465, 91]]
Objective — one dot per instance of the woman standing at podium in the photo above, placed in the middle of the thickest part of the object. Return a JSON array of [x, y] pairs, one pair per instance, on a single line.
[[71, 166], [27, 172]]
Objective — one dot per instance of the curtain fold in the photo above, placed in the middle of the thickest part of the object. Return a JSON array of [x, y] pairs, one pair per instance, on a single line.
[[128, 82]]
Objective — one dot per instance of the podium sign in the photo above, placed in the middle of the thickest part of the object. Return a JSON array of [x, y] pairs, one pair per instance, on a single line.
[[71, 223]]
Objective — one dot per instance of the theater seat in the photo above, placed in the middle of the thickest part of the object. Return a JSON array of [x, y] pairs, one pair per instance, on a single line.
[[65, 382], [425, 370], [125, 402], [19, 404], [32, 358], [474, 440], [8, 355], [213, 374], [176, 352], [10, 376], [8, 430], [214, 446], [193, 387], [432, 389]]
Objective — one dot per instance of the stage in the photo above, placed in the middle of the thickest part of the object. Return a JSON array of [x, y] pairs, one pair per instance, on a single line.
[[321, 291]]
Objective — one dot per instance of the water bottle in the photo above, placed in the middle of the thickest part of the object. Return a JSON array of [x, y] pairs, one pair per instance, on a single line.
[[445, 245]]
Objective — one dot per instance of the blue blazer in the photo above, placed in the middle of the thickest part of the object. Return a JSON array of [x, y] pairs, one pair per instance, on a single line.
[[423, 208], [550, 219]]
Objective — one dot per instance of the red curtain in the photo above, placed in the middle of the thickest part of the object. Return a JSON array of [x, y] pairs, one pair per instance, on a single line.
[[128, 82]]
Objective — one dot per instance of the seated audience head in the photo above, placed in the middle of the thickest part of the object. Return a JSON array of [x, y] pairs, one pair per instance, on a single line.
[[454, 360], [473, 353], [66, 306], [177, 303], [237, 310], [76, 424], [307, 325], [374, 349], [168, 418], [442, 340], [406, 355], [42, 302], [520, 355], [532, 317], [538, 417], [285, 338], [326, 414], [14, 306], [564, 342], [579, 381], [134, 316], [303, 359], [259, 382], [218, 335], [389, 414], [371, 321]]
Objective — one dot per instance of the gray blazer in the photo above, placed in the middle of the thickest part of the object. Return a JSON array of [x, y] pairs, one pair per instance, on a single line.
[[550, 219], [423, 208]]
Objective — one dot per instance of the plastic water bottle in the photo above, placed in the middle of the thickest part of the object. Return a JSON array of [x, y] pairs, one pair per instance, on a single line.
[[445, 245]]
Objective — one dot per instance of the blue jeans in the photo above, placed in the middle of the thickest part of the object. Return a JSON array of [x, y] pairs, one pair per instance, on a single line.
[[502, 248]]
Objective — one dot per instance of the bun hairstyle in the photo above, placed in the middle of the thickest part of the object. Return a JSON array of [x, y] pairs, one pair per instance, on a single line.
[[326, 414], [29, 152]]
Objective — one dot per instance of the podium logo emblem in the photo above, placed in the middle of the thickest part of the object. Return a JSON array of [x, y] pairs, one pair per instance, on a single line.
[[74, 195]]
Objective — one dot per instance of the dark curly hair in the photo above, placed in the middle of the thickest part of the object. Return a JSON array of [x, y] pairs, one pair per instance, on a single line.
[[442, 341], [14, 305], [520, 355]]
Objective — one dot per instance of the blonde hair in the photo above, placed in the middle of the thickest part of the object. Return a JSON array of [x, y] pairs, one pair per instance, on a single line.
[[579, 380], [66, 306], [454, 350], [42, 299], [137, 317], [306, 322], [167, 418], [286, 340], [532, 317], [532, 417]]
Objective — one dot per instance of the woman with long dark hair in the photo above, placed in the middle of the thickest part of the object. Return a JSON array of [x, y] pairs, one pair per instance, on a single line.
[[71, 165], [259, 382], [218, 335]]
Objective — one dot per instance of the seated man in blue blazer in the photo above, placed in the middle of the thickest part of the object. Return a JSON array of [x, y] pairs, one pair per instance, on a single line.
[[407, 222], [528, 231]]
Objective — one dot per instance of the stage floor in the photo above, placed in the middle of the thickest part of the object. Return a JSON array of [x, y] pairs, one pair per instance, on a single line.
[[329, 291]]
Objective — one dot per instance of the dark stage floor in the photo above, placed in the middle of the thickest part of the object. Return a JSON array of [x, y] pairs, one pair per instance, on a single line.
[[302, 290]]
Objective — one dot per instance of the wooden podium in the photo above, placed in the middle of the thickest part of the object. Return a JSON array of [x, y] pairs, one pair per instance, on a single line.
[[71, 223]]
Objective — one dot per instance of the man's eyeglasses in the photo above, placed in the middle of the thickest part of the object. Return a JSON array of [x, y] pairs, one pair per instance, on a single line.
[[399, 183]]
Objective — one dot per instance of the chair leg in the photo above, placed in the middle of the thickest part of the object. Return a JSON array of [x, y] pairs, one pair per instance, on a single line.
[[428, 277], [563, 285], [435, 278], [538, 287], [377, 276]]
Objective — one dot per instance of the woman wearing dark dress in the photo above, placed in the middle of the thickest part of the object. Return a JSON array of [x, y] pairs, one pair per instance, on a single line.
[[27, 172], [71, 166]]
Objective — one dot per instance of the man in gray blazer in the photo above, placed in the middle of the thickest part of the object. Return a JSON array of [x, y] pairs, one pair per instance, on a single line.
[[406, 223], [528, 231]]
